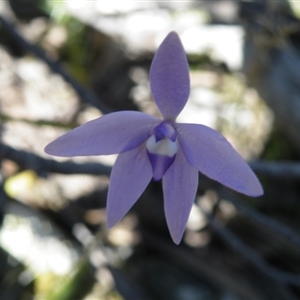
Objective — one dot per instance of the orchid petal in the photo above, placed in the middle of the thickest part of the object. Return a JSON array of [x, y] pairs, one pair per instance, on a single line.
[[209, 152], [113, 133], [129, 178], [169, 77], [179, 187]]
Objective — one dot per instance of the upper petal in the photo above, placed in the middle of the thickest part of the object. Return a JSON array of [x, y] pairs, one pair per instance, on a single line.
[[169, 77], [113, 133], [209, 152], [129, 178], [179, 186]]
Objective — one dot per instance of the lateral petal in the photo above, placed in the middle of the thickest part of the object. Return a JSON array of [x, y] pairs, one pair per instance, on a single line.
[[113, 133], [129, 178], [169, 77], [179, 187], [209, 152]]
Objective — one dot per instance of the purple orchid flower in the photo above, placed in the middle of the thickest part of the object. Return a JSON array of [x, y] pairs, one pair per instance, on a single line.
[[163, 149]]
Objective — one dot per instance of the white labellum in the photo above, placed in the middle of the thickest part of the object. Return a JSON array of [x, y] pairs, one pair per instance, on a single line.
[[162, 147]]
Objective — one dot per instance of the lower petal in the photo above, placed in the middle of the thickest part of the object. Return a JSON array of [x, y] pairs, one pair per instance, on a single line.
[[129, 178], [209, 152], [179, 187]]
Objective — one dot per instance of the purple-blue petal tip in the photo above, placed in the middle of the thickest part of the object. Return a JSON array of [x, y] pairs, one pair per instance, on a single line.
[[210, 153], [169, 77]]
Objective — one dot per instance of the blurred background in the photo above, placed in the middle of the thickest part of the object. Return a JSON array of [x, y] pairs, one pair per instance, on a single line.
[[63, 63]]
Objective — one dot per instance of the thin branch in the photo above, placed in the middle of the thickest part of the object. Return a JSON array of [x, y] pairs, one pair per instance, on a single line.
[[7, 118], [39, 164], [199, 263], [282, 170], [281, 229], [239, 246], [85, 94]]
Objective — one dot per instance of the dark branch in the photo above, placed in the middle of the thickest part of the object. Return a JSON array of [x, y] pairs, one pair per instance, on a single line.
[[7, 118], [28, 160], [86, 95], [255, 215], [239, 246], [285, 170]]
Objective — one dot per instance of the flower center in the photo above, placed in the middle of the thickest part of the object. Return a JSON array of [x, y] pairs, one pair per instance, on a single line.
[[162, 147]]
